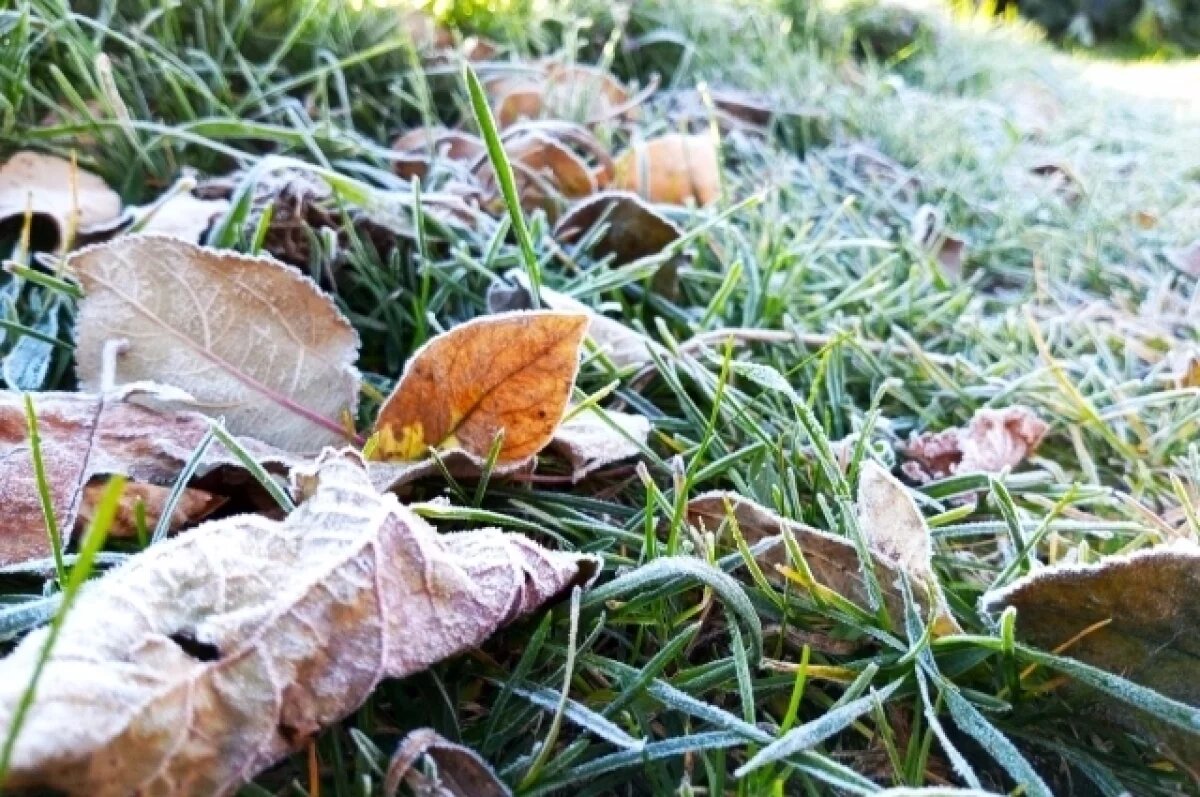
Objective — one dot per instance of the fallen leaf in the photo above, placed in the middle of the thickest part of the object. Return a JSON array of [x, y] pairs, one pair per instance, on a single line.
[[64, 199], [507, 374], [1062, 178], [994, 441], [460, 770], [929, 233], [193, 506], [1144, 622], [1183, 366], [891, 521], [548, 173], [252, 340], [632, 229], [418, 149], [85, 436], [206, 658], [392, 476], [620, 344], [182, 215], [673, 169], [587, 442], [833, 560], [559, 90]]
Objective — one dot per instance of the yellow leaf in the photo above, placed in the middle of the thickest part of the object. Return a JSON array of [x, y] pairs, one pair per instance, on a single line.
[[673, 169]]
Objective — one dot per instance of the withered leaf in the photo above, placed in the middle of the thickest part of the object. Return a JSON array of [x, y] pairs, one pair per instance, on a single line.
[[929, 232], [393, 475], [632, 228], [184, 216], [460, 770], [560, 90], [548, 172], [419, 147], [206, 658], [85, 436], [994, 440], [64, 199], [194, 505], [252, 340], [587, 442], [833, 560], [673, 169], [620, 344], [507, 374], [1139, 610]]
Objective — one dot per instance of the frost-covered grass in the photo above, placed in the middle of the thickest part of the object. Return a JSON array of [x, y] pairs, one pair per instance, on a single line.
[[1068, 303]]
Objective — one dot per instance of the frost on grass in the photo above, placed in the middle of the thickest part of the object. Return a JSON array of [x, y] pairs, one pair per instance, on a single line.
[[207, 658]]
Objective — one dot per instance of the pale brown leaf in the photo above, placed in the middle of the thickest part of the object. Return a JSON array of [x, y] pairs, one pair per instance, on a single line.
[[994, 441], [508, 374], [833, 560], [182, 216], [460, 770], [1139, 612], [253, 341], [632, 228], [587, 442], [64, 198], [193, 506], [84, 436], [207, 658]]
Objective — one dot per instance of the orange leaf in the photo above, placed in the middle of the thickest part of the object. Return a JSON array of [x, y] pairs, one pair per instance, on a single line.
[[505, 374], [672, 169]]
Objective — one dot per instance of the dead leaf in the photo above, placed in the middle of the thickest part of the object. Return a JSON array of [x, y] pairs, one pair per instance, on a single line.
[[620, 344], [1063, 180], [206, 658], [632, 229], [193, 506], [554, 89], [64, 199], [1144, 622], [672, 169], [588, 443], [84, 436], [548, 172], [460, 770], [183, 216], [507, 374], [392, 476], [253, 341], [994, 441], [832, 560], [1183, 366], [418, 149]]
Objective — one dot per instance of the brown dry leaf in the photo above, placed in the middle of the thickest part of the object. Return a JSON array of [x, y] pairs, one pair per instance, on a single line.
[[1063, 180], [673, 169], [994, 441], [206, 658], [1145, 601], [832, 560], [587, 442], [460, 770], [193, 506], [559, 90], [620, 344], [1183, 364], [632, 228], [64, 199], [507, 374], [929, 233], [252, 340], [392, 476], [418, 148], [547, 171], [84, 436]]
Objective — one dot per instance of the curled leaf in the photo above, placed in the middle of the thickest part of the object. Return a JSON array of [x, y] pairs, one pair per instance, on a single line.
[[207, 658], [63, 198], [833, 560], [184, 216], [632, 228], [252, 340], [507, 375], [83, 437], [994, 441], [460, 770], [193, 506], [673, 169], [559, 90], [419, 148], [548, 170], [588, 442]]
